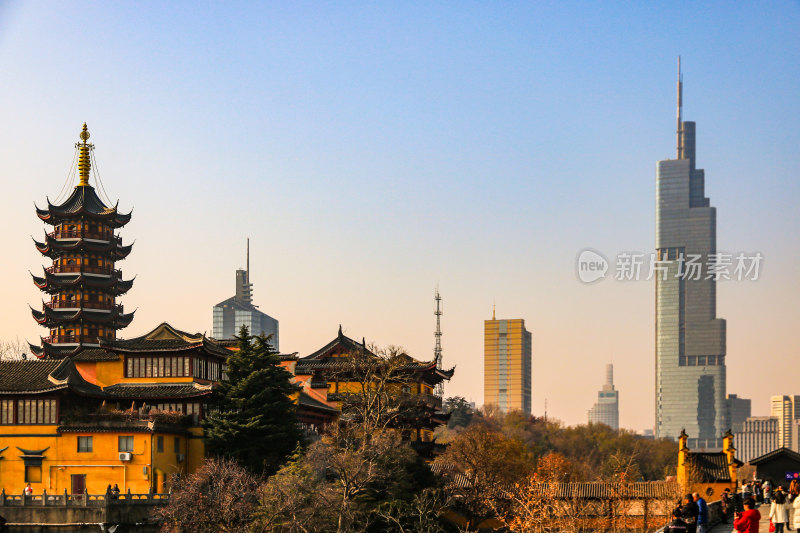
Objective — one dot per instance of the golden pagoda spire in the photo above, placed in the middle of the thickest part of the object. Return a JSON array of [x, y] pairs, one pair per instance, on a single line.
[[84, 159]]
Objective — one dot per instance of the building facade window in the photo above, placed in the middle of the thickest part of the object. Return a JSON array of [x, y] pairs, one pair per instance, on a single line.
[[158, 367], [33, 474], [177, 445], [84, 444], [160, 444], [126, 443], [28, 412]]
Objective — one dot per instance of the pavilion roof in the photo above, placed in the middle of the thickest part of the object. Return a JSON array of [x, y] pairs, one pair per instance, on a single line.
[[52, 247], [52, 317], [83, 202], [166, 338], [33, 376], [156, 391], [53, 283]]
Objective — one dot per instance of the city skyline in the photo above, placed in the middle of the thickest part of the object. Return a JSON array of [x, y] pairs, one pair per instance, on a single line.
[[380, 151]]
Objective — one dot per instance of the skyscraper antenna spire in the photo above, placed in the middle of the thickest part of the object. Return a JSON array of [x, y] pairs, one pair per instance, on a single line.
[[679, 131], [248, 259], [437, 350]]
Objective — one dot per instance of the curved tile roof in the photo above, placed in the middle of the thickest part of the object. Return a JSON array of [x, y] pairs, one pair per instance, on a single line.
[[83, 201]]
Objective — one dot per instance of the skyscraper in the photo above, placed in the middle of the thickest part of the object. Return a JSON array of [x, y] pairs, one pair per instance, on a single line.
[[738, 411], [757, 435], [690, 339], [230, 315], [507, 364], [606, 410], [786, 409]]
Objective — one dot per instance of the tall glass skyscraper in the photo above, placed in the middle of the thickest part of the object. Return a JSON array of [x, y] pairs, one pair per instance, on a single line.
[[690, 339]]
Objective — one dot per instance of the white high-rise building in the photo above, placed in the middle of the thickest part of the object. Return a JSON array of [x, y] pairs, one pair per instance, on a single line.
[[606, 410], [757, 436], [787, 410]]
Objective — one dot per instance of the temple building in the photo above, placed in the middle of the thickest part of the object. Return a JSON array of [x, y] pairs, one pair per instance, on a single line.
[[331, 376], [83, 283]]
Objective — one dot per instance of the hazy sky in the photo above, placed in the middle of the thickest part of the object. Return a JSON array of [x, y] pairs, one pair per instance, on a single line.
[[374, 150]]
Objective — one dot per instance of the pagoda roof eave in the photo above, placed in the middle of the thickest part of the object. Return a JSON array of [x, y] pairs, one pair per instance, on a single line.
[[83, 202]]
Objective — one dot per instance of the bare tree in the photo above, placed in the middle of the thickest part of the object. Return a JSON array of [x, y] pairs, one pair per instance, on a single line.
[[219, 496], [12, 349], [375, 380]]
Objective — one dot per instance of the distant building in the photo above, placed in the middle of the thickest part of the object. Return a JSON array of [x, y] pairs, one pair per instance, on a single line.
[[231, 314], [757, 436], [787, 410], [507, 364], [738, 412], [690, 338], [606, 410]]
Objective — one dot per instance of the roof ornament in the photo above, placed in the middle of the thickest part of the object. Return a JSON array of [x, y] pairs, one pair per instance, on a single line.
[[340, 330], [84, 159]]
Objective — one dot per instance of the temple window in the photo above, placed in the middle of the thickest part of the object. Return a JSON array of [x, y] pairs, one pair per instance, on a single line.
[[85, 444], [125, 443]]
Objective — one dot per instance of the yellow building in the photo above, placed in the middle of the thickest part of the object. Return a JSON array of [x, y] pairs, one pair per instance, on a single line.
[[126, 413], [707, 473], [507, 364], [324, 374]]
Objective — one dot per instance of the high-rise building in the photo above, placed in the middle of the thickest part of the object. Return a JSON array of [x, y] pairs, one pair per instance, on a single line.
[[507, 364], [787, 410], [238, 310], [738, 411], [606, 410], [690, 339], [758, 435]]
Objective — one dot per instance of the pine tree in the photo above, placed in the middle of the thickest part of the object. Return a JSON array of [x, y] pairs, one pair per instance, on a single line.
[[255, 422]]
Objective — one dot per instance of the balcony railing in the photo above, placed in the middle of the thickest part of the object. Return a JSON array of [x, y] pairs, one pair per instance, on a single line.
[[72, 339], [83, 269], [80, 234], [80, 500], [83, 304]]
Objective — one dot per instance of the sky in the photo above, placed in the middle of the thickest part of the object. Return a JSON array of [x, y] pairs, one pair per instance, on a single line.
[[373, 151]]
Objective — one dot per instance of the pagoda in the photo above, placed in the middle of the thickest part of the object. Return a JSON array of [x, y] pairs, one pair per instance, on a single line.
[[83, 283]]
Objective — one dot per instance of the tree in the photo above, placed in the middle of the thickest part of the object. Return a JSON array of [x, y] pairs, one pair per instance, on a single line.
[[374, 399], [11, 349], [482, 463], [460, 411], [255, 420], [219, 496]]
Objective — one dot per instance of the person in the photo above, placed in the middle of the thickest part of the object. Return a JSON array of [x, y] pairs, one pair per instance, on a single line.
[[115, 491], [689, 513], [767, 492], [677, 525], [778, 512], [109, 494], [28, 490], [726, 505], [794, 488], [796, 507], [702, 513], [757, 492], [747, 520]]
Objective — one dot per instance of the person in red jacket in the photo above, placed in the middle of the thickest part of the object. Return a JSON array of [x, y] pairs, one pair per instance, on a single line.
[[747, 522]]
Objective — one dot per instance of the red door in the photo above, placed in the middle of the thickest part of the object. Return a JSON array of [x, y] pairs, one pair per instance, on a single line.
[[78, 484]]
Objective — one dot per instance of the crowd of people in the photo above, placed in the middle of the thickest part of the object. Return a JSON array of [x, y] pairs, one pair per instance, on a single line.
[[691, 514]]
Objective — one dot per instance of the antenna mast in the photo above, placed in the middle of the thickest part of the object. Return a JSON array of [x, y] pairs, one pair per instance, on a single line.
[[248, 259], [679, 144], [437, 350]]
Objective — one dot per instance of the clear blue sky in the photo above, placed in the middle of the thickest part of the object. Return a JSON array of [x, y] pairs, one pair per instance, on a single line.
[[373, 150]]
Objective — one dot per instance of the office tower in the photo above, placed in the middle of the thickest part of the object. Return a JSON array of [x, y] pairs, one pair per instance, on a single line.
[[738, 412], [507, 364], [786, 409], [606, 410], [238, 310], [758, 435], [690, 339]]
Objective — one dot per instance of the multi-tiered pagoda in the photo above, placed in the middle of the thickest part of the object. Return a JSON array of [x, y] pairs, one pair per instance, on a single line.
[[83, 283]]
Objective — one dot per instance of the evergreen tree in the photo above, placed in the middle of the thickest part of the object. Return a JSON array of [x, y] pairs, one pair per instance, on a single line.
[[255, 422]]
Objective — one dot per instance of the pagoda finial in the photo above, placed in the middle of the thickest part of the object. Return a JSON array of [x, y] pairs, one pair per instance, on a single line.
[[84, 159]]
